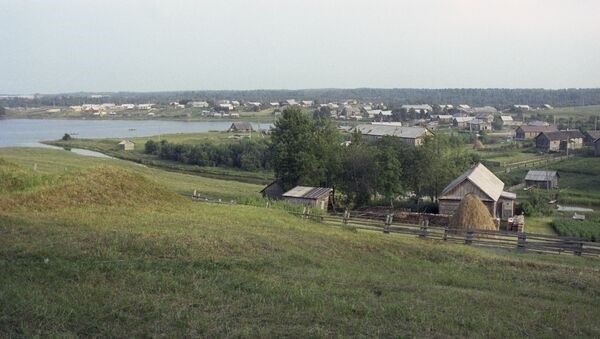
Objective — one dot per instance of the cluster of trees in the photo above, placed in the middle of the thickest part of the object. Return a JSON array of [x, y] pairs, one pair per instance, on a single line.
[[249, 155], [311, 152], [2, 111]]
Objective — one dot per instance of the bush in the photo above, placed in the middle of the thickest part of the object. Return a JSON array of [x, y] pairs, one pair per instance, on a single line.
[[66, 137]]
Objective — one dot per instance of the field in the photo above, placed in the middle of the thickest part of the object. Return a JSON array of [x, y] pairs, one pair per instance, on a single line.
[[113, 251], [576, 112], [589, 229]]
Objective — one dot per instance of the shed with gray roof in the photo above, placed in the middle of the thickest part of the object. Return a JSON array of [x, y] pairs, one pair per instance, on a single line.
[[411, 135], [313, 196], [542, 178]]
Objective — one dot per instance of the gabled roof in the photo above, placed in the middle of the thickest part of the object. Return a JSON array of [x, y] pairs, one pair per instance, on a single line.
[[274, 182], [241, 125], [538, 129], [561, 135], [124, 142], [396, 131], [463, 119], [594, 135], [307, 192], [481, 177], [506, 118], [540, 175]]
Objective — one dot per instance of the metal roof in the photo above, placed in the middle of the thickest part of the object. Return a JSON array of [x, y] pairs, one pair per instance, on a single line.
[[540, 175], [396, 131], [481, 177], [307, 192], [538, 129]]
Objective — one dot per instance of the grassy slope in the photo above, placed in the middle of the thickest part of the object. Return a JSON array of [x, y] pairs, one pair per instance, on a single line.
[[51, 161], [166, 266]]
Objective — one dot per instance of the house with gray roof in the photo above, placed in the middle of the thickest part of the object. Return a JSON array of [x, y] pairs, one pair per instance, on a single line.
[[482, 182], [559, 141], [411, 135]]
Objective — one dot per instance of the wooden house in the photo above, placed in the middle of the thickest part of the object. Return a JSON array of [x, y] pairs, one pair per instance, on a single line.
[[317, 197], [126, 145], [559, 141], [273, 191], [507, 120], [241, 126], [590, 137], [530, 132], [410, 135], [597, 148], [542, 179], [483, 183], [461, 122], [479, 125]]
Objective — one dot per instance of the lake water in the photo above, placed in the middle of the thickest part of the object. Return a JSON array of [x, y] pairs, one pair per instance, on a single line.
[[29, 132]]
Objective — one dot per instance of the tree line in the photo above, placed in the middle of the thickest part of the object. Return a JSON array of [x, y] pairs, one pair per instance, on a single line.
[[500, 97], [249, 155]]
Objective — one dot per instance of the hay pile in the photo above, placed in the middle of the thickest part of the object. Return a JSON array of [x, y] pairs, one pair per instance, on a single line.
[[478, 145], [472, 213]]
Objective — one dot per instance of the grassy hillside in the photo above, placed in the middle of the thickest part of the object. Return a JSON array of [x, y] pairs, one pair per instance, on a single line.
[[53, 162], [160, 265]]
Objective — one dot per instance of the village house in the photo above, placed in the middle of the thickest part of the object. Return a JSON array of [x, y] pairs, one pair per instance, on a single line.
[[590, 137], [477, 125], [542, 179], [126, 145], [487, 117], [199, 104], [313, 196], [530, 132], [507, 120], [559, 141], [461, 122], [418, 108], [443, 118], [273, 191], [410, 135], [241, 126], [522, 107], [485, 185]]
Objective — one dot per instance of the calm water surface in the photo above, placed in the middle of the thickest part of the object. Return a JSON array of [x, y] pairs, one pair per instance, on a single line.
[[29, 132]]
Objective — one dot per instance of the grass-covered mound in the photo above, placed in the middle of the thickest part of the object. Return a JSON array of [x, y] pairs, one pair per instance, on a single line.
[[104, 185]]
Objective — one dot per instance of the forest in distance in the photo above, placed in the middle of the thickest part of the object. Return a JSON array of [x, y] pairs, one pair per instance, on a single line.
[[392, 96]]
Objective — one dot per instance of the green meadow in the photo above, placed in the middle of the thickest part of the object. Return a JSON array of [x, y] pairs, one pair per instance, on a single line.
[[105, 248]]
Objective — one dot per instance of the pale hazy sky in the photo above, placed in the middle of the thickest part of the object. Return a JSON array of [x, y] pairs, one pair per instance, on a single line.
[[65, 46]]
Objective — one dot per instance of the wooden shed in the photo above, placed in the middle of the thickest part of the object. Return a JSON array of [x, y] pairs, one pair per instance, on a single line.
[[126, 145], [485, 185], [240, 126], [314, 196], [542, 179], [273, 191]]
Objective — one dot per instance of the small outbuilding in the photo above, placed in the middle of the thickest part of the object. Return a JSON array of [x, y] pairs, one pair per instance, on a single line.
[[273, 191], [313, 196], [542, 179], [241, 126], [597, 148], [126, 145]]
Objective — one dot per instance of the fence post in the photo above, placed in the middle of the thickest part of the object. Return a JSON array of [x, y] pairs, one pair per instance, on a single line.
[[445, 237], [304, 212], [521, 240], [388, 222], [579, 248], [346, 217], [469, 236], [423, 231]]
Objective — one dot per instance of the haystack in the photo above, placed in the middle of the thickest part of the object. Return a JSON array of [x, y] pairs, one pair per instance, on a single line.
[[472, 212], [478, 145]]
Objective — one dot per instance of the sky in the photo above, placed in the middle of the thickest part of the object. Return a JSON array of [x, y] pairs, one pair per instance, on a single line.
[[58, 46]]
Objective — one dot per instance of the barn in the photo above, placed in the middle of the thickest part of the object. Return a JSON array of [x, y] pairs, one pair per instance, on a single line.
[[313, 196], [559, 141], [542, 179], [530, 132], [485, 185], [126, 145]]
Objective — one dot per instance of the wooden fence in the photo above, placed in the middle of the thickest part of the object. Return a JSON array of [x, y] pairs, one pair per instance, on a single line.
[[507, 167], [521, 241]]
